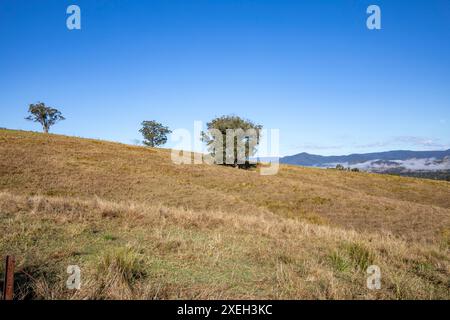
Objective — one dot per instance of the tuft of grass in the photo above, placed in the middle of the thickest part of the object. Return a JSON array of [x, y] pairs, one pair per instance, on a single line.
[[125, 263], [446, 238], [339, 262], [360, 256], [351, 256], [109, 237]]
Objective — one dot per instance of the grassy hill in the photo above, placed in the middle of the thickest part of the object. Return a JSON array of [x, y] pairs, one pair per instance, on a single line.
[[140, 226]]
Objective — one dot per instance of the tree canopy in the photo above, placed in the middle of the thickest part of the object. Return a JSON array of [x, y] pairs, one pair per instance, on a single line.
[[232, 140], [46, 116], [154, 133]]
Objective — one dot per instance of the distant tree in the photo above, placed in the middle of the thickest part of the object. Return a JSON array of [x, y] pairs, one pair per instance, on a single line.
[[340, 167], [46, 116], [154, 133], [355, 170], [243, 138]]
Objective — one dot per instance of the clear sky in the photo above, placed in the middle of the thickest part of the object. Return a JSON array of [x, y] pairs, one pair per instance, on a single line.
[[309, 68]]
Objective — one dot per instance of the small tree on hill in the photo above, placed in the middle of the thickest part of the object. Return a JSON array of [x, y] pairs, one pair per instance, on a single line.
[[154, 133], [46, 116], [232, 140]]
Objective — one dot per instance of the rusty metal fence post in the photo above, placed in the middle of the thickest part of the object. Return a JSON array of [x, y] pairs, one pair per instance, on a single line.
[[8, 284]]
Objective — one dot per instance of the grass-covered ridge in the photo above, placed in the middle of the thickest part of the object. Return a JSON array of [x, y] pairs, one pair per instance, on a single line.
[[142, 227]]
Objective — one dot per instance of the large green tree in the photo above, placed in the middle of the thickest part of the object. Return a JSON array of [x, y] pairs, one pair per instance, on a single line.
[[154, 133], [232, 140], [46, 116]]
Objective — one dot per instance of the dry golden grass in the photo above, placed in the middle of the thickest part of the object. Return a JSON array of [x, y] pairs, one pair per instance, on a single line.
[[141, 227]]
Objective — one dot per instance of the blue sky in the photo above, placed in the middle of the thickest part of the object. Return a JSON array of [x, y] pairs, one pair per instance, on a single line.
[[309, 68]]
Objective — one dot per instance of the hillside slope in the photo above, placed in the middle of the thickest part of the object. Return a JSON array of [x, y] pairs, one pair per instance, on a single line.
[[140, 226]]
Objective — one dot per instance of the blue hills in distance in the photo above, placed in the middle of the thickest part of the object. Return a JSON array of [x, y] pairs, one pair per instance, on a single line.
[[306, 159]]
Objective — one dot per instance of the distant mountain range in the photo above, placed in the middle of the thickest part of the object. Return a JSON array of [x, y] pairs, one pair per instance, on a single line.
[[399, 161]]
